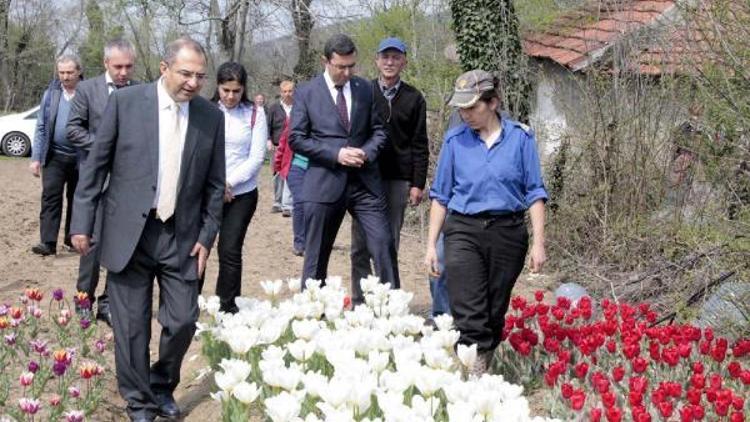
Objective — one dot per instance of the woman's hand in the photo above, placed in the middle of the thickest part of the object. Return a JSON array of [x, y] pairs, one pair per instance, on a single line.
[[431, 262], [228, 197], [537, 257]]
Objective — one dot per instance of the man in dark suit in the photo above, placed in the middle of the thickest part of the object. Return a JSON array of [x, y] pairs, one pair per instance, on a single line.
[[85, 116], [336, 125], [162, 146]]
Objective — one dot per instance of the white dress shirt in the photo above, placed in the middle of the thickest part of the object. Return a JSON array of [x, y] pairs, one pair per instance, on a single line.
[[165, 103], [287, 108], [335, 93], [111, 86], [244, 146]]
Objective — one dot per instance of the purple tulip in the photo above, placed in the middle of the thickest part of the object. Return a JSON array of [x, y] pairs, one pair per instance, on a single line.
[[59, 368], [74, 392], [85, 323], [39, 346], [100, 345], [10, 339], [58, 294], [33, 367]]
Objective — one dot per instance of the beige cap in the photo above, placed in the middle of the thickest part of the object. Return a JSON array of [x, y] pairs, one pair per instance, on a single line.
[[469, 88]]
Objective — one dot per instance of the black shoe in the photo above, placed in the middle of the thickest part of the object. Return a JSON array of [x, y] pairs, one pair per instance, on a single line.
[[103, 314], [69, 245], [140, 415], [45, 249], [167, 406], [286, 213], [275, 209], [298, 252]]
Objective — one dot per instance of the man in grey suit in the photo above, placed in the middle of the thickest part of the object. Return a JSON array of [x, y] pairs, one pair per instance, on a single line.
[[336, 125], [85, 116], [162, 146]]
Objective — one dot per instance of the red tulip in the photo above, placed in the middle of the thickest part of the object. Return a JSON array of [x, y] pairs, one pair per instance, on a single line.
[[665, 408], [614, 414], [539, 295], [595, 414], [567, 390], [639, 365], [618, 372], [577, 400], [581, 369], [737, 417]]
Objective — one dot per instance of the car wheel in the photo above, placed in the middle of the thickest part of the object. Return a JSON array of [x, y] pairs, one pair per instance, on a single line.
[[16, 144]]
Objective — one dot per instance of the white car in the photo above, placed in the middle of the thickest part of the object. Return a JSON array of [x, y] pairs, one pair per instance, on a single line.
[[17, 132]]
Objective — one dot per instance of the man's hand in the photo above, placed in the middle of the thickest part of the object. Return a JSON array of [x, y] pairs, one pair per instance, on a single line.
[[415, 196], [269, 145], [352, 157], [537, 257], [36, 168], [81, 243], [202, 253]]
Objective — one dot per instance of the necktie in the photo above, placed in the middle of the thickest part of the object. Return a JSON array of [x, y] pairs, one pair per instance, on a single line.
[[170, 166], [341, 107]]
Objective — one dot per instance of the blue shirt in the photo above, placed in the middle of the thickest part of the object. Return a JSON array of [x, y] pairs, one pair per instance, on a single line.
[[472, 179]]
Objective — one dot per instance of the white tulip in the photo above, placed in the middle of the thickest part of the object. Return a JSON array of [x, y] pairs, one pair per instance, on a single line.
[[461, 412], [378, 361], [425, 409], [282, 408], [336, 393], [443, 322], [301, 350], [241, 339], [273, 353], [314, 382], [245, 392], [438, 359], [294, 284], [272, 288], [210, 305], [467, 354], [305, 329], [336, 414], [270, 331], [235, 371]]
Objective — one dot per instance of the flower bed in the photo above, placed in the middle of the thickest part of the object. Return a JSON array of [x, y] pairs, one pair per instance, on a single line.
[[50, 362], [312, 358], [610, 362]]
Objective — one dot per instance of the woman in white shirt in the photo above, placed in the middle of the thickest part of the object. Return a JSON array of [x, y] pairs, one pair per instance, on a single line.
[[245, 132]]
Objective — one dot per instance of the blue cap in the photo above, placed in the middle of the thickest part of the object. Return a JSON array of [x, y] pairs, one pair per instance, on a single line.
[[392, 43]]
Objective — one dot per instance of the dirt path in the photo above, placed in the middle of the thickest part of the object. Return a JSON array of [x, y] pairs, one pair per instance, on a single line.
[[267, 255]]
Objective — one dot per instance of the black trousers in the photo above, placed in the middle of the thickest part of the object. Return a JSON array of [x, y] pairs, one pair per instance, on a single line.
[[130, 298], [59, 176], [236, 219], [483, 258], [322, 223], [88, 267]]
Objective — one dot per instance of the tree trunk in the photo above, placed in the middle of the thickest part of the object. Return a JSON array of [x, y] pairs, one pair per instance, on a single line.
[[242, 17], [4, 11], [303, 26]]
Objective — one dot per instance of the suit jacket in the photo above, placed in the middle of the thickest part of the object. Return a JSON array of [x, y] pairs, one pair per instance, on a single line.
[[126, 149], [275, 117], [45, 123], [86, 112], [318, 133]]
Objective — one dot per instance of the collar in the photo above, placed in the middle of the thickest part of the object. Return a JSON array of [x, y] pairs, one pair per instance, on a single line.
[[329, 81], [110, 82], [165, 100], [394, 88], [236, 109]]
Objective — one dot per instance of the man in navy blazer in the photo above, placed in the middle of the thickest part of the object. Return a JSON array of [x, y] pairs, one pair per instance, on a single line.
[[335, 124]]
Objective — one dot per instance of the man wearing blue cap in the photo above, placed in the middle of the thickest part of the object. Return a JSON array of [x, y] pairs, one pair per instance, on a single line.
[[403, 162]]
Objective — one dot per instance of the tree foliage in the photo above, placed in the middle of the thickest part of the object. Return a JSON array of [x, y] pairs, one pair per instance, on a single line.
[[488, 38]]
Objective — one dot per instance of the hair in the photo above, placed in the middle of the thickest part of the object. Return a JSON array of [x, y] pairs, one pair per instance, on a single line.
[[174, 47], [286, 82], [228, 72], [340, 44], [119, 44], [69, 57], [495, 92]]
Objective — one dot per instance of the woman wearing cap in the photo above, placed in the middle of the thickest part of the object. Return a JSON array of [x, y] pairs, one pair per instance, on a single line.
[[487, 176]]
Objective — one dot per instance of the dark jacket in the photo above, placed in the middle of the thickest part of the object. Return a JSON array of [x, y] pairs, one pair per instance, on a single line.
[[45, 122], [275, 117], [406, 155], [127, 150], [318, 133]]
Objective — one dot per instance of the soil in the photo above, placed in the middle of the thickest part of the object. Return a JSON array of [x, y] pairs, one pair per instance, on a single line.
[[267, 255]]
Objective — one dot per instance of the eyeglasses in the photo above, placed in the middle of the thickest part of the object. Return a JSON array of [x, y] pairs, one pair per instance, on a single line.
[[343, 67], [187, 75]]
